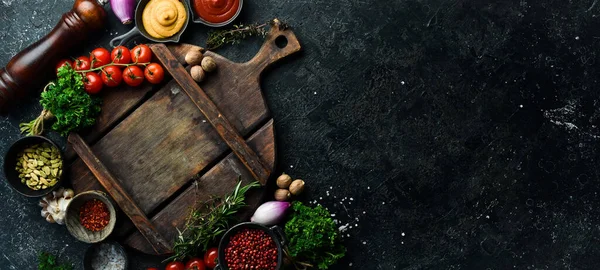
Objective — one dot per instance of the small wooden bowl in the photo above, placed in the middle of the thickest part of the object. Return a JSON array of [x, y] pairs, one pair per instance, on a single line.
[[72, 217]]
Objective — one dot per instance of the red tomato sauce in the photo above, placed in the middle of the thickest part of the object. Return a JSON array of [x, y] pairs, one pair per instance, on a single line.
[[216, 11]]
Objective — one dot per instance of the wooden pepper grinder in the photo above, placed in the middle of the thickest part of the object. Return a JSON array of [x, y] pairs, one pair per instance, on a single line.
[[31, 68]]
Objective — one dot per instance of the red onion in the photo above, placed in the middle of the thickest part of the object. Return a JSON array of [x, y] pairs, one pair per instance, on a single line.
[[270, 213], [123, 9]]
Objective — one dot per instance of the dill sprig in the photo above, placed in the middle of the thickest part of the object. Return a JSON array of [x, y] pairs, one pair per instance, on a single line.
[[205, 224], [239, 32]]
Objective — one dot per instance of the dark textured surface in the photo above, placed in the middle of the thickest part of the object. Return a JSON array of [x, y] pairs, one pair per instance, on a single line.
[[447, 134]]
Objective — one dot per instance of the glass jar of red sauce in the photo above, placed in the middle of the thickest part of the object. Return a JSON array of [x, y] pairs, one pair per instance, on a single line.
[[216, 11]]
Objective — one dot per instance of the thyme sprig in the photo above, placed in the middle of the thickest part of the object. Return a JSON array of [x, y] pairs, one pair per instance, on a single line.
[[218, 38], [205, 224]]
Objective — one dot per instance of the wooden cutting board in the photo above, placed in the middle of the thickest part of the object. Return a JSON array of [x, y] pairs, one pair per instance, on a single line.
[[168, 148]]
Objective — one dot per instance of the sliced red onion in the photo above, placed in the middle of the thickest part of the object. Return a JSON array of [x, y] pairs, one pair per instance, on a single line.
[[270, 213], [123, 9]]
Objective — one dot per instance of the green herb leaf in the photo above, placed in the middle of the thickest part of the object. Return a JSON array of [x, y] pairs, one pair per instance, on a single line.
[[47, 261], [73, 108], [313, 236], [234, 36], [205, 224]]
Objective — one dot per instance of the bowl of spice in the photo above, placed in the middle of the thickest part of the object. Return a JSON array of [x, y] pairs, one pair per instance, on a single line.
[[251, 246], [215, 13], [33, 166], [90, 216], [105, 256]]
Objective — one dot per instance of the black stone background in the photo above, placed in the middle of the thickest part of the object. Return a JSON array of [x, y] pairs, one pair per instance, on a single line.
[[451, 134]]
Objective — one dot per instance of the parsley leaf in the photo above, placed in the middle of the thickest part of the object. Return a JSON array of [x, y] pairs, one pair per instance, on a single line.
[[313, 236], [47, 261], [66, 98]]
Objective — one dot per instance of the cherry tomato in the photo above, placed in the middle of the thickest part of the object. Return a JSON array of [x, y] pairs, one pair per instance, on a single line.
[[62, 63], [92, 83], [175, 266], [100, 57], [120, 55], [133, 75], [82, 63], [141, 54], [195, 264], [152, 268], [210, 257], [112, 76], [154, 73]]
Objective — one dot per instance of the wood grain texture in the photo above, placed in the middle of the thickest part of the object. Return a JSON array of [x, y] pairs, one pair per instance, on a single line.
[[164, 143], [118, 103], [208, 108], [218, 181], [116, 191]]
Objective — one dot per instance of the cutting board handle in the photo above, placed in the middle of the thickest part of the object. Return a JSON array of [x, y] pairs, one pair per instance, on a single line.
[[279, 43]]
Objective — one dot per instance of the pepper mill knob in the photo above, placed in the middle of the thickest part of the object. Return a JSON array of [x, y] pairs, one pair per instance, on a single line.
[[31, 68]]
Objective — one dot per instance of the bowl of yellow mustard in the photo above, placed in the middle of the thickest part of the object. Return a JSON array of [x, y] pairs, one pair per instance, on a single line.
[[158, 21]]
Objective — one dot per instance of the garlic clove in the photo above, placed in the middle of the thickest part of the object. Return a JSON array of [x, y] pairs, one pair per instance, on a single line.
[[68, 193], [43, 203], [45, 212], [60, 219], [50, 219], [59, 192], [54, 206]]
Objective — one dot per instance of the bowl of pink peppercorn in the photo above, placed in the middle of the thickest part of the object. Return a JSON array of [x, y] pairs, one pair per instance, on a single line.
[[251, 246]]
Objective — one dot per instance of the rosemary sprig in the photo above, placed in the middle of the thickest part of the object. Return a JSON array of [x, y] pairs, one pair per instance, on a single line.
[[205, 224]]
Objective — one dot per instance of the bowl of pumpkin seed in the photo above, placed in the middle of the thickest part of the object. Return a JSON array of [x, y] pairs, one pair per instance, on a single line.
[[33, 166]]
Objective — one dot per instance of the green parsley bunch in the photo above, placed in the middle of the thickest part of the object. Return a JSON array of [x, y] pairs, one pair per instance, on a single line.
[[66, 101], [313, 237]]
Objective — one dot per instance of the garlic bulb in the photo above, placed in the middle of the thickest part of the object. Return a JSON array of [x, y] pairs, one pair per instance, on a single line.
[[54, 205]]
